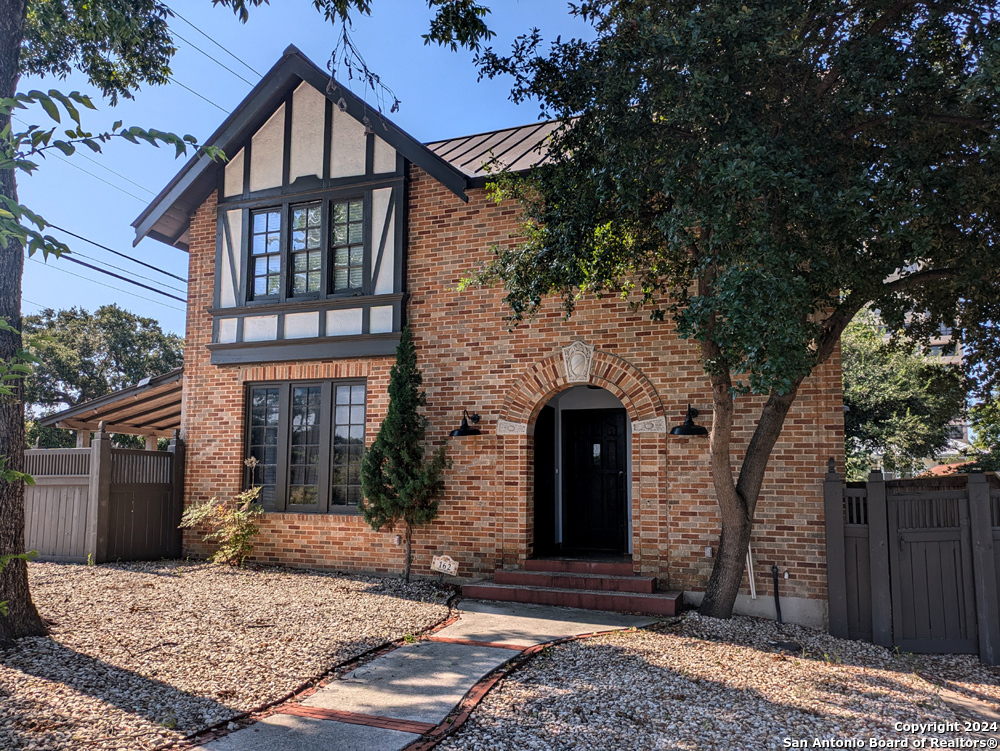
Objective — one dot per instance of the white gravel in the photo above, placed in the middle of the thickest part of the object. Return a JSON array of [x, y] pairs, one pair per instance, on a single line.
[[703, 683], [143, 654]]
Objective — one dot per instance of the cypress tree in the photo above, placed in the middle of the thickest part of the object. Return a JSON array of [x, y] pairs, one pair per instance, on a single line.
[[400, 486]]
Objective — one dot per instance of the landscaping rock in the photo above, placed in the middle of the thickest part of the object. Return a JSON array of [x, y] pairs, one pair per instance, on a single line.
[[144, 654]]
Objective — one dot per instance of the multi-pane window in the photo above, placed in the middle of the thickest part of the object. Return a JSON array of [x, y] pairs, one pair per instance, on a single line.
[[265, 253], [303, 461], [348, 444], [307, 249], [347, 245], [308, 439], [262, 442]]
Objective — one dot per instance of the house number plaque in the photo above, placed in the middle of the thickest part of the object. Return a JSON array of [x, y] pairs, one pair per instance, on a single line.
[[445, 564]]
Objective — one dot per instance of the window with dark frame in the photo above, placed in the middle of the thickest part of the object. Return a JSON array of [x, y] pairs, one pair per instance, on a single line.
[[347, 245], [348, 444], [307, 439], [265, 253], [307, 249]]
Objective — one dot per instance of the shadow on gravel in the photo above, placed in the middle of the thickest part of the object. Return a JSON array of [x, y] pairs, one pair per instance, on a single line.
[[132, 693]]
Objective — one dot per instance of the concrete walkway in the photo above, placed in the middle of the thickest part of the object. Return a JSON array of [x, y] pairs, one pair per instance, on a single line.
[[390, 702]]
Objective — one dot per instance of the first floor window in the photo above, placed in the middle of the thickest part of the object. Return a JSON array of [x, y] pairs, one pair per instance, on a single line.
[[306, 439]]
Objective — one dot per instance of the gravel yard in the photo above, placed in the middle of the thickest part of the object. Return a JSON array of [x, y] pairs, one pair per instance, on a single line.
[[701, 683], [143, 654]]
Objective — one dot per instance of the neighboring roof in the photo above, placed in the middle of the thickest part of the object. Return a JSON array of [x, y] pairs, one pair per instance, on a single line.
[[515, 149], [167, 217], [151, 407]]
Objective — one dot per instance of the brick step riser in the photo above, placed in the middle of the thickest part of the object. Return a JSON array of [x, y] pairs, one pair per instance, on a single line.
[[596, 568], [643, 585], [574, 599]]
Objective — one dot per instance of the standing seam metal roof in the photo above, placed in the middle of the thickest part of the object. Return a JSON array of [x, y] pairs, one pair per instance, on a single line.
[[516, 149]]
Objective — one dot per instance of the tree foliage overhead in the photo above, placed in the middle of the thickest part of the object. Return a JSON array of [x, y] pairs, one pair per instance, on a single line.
[[85, 355], [759, 172], [899, 403], [787, 157]]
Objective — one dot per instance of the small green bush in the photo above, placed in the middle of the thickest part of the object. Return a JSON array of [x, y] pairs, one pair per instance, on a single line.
[[231, 523]]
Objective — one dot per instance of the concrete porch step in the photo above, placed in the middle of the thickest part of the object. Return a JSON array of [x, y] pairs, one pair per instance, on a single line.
[[656, 603], [593, 582], [568, 566]]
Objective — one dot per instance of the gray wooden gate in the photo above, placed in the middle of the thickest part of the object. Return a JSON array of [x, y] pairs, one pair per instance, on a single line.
[[930, 564], [916, 563], [104, 504]]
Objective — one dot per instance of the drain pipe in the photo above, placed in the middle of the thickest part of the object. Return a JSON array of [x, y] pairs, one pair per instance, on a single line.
[[777, 602]]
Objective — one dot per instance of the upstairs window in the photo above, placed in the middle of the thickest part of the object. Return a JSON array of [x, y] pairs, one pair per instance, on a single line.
[[305, 259], [265, 253], [307, 249], [348, 245]]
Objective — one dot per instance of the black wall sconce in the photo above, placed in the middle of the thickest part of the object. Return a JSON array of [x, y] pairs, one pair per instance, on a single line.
[[465, 429], [688, 427]]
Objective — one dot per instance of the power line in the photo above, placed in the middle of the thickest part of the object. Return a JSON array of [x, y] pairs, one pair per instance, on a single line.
[[237, 59], [98, 177], [119, 174], [68, 257], [118, 253], [127, 271], [199, 95], [109, 286], [220, 64]]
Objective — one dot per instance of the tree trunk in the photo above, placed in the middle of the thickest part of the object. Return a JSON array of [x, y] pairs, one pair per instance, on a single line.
[[22, 618], [408, 550], [738, 501]]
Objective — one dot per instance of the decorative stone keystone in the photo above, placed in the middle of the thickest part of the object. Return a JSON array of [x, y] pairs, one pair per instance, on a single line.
[[578, 358]]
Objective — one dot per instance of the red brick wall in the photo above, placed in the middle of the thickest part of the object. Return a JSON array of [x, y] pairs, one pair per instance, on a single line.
[[470, 360]]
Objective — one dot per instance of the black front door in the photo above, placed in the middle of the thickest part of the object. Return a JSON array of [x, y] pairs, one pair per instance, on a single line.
[[594, 470]]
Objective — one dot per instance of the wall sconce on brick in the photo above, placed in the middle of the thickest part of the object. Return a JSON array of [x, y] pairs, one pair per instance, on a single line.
[[688, 427], [464, 429]]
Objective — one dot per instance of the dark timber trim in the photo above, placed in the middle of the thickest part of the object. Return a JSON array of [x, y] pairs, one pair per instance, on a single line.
[[316, 348]]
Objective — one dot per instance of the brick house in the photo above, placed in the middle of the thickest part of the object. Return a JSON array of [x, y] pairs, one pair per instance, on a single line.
[[326, 231]]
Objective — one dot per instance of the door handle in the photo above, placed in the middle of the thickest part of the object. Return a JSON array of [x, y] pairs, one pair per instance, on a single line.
[[902, 542]]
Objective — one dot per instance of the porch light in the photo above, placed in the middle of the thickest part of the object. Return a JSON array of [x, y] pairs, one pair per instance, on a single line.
[[464, 429], [689, 428]]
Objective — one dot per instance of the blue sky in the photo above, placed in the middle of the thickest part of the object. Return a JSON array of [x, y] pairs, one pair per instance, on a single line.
[[438, 89]]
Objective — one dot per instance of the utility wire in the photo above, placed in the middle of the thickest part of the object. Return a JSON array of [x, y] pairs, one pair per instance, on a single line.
[[79, 152], [237, 59], [98, 177], [118, 253], [109, 286], [215, 60], [199, 95], [77, 254], [69, 257]]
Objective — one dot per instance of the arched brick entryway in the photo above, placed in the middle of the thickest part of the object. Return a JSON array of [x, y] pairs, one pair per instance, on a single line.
[[515, 428]]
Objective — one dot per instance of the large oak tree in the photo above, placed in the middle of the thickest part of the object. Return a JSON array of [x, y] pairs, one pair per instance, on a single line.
[[770, 169]]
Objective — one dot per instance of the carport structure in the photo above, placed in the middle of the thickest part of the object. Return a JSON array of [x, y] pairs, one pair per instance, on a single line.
[[151, 408]]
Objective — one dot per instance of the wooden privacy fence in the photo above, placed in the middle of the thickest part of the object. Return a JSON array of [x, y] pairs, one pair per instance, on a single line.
[[915, 563], [104, 504]]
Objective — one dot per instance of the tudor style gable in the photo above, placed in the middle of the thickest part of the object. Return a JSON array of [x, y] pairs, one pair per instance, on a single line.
[[310, 242]]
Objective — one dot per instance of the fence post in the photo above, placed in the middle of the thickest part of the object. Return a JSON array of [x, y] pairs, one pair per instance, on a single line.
[[984, 573], [836, 563], [99, 495], [878, 553], [176, 448]]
